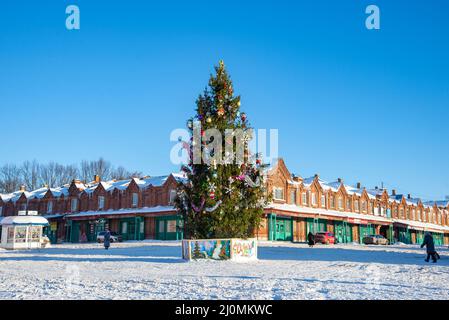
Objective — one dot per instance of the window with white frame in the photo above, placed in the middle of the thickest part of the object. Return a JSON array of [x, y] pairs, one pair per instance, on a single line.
[[363, 206], [413, 214], [401, 213], [49, 206], [340, 203], [304, 198], [420, 215], [135, 199], [100, 203], [356, 206], [323, 201], [332, 200], [74, 205], [314, 199], [292, 196], [172, 196], [278, 193], [348, 204]]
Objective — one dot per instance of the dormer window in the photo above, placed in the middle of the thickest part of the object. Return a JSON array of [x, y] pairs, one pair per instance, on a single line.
[[340, 203], [100, 203], [278, 193], [135, 199], [293, 197], [314, 199], [304, 199], [74, 205], [49, 206], [172, 196], [332, 202], [356, 206], [323, 201]]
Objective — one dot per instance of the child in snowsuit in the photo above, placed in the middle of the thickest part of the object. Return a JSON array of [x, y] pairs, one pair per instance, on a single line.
[[430, 247]]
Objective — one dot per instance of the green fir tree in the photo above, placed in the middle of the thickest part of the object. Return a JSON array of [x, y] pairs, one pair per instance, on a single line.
[[221, 199]]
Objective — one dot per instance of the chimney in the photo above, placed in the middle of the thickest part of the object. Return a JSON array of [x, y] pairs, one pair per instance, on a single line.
[[23, 188], [339, 180], [376, 188], [316, 175], [393, 192], [97, 178], [409, 196], [359, 185]]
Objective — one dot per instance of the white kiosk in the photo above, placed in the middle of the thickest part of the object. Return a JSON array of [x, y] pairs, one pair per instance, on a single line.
[[22, 232]]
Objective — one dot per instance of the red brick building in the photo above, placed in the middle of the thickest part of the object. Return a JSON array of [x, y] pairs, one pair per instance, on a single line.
[[142, 208], [303, 205], [138, 208]]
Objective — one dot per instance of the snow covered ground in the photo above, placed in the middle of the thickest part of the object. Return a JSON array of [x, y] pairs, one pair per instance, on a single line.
[[154, 270]]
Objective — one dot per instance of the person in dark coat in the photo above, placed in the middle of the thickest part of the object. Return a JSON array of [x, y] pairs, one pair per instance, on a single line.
[[430, 247], [311, 239], [107, 240]]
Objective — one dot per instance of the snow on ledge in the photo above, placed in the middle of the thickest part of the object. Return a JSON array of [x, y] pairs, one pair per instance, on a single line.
[[17, 220], [123, 211]]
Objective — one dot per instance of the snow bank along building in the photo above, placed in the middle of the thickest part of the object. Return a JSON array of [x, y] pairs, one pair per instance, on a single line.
[[142, 208]]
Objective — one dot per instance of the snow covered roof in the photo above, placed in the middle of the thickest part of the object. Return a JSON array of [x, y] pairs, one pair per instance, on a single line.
[[90, 188], [438, 203], [24, 220]]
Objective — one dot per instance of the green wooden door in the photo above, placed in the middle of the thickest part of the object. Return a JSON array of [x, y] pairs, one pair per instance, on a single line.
[[404, 235], [343, 232], [169, 228], [316, 225], [365, 230], [130, 228], [75, 232], [280, 229]]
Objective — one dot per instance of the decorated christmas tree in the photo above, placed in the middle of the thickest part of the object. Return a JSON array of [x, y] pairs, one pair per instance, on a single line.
[[225, 193]]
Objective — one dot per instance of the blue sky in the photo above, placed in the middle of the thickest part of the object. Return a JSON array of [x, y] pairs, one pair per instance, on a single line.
[[369, 106]]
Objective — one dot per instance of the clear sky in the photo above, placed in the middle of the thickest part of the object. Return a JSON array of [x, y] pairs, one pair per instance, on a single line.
[[369, 106]]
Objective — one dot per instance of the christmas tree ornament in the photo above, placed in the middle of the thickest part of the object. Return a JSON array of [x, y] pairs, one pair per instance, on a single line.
[[221, 112], [243, 116], [209, 120]]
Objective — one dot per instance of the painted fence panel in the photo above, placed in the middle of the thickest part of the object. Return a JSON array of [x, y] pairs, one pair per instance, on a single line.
[[220, 249]]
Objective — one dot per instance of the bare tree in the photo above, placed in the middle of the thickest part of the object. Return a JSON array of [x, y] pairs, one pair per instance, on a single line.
[[10, 178], [120, 173], [30, 174], [100, 167], [69, 173], [48, 174], [34, 175]]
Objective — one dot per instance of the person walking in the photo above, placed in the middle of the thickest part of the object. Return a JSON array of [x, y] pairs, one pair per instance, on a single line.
[[311, 239], [430, 247], [107, 239]]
